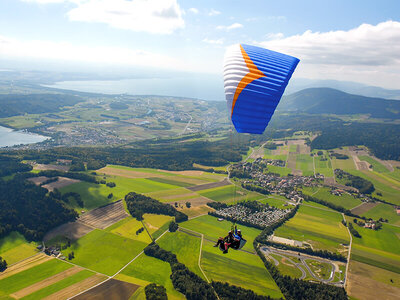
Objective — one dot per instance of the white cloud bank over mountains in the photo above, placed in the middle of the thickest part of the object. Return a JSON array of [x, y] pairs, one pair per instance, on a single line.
[[368, 53]]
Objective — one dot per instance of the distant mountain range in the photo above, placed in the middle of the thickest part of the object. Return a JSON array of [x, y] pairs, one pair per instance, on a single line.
[[298, 84], [332, 101]]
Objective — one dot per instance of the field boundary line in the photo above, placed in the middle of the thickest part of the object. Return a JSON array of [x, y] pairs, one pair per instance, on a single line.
[[25, 259], [349, 254], [201, 247]]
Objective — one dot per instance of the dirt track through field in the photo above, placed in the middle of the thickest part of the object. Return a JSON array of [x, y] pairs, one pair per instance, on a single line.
[[46, 282], [25, 264], [76, 288], [105, 216], [111, 289], [209, 185]]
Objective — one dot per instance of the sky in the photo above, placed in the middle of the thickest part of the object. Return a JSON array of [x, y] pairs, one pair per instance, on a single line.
[[356, 40]]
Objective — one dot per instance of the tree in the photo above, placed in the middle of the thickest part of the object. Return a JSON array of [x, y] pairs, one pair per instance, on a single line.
[[71, 255], [188, 204], [155, 292], [3, 264], [110, 195], [111, 184], [173, 226]]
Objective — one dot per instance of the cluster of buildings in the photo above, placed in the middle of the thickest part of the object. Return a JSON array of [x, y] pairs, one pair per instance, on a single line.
[[263, 218], [52, 251]]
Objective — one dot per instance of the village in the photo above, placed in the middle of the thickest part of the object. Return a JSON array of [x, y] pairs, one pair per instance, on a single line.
[[267, 216]]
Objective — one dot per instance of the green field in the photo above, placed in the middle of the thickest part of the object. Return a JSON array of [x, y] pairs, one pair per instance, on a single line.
[[238, 268], [395, 174], [380, 248], [185, 246], [275, 200], [385, 211], [304, 162], [170, 181], [58, 286], [282, 171], [128, 227], [14, 247], [389, 193], [343, 164], [376, 165], [104, 252], [323, 167], [229, 194], [323, 229], [150, 269], [95, 195], [323, 193], [268, 155], [286, 268], [213, 229], [31, 276]]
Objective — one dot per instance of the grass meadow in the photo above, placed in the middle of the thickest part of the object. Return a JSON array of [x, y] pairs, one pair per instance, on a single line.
[[346, 200], [212, 229], [104, 252], [304, 162], [14, 247], [385, 211], [321, 228], [238, 268], [31, 276]]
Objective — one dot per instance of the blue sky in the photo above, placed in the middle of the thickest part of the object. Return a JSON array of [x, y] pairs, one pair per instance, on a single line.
[[342, 40]]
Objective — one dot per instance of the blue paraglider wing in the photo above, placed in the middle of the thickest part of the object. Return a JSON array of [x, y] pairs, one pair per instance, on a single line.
[[255, 79]]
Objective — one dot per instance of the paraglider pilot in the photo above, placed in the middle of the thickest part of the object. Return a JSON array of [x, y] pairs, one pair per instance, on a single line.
[[231, 240]]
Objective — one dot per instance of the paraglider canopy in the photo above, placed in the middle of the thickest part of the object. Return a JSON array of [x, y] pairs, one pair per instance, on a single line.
[[255, 79]]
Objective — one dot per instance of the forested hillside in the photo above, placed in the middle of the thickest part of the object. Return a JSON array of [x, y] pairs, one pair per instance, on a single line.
[[331, 101]]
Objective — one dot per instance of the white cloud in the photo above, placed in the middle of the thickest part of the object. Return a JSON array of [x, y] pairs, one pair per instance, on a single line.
[[214, 12], [230, 27], [274, 36], [66, 52], [215, 42], [153, 16], [193, 10], [44, 1], [368, 53]]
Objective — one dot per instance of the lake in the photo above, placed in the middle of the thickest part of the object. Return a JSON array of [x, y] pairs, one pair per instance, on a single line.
[[10, 137], [205, 87]]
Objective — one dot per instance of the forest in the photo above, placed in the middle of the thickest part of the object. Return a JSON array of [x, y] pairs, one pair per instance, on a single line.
[[28, 209]]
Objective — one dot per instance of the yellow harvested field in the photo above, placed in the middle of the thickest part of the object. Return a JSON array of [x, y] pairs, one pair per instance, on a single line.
[[46, 282], [370, 283], [186, 173], [124, 173], [25, 264], [77, 288]]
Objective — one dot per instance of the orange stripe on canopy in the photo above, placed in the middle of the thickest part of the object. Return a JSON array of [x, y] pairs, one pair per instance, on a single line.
[[254, 74]]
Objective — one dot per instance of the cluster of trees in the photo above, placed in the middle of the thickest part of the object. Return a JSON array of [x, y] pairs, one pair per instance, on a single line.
[[19, 104], [3, 264], [239, 173], [140, 230], [320, 253], [111, 184], [183, 280], [354, 232], [363, 185], [28, 208], [11, 165], [73, 175], [226, 291], [154, 291], [217, 205], [339, 156], [255, 188], [297, 289], [163, 154], [139, 204], [76, 196], [173, 226]]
